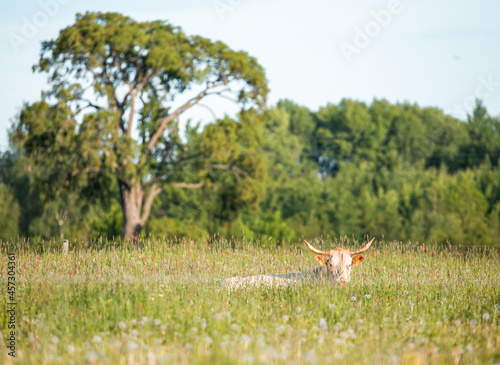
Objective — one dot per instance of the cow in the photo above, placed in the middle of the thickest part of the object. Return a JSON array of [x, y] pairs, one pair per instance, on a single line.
[[335, 267]]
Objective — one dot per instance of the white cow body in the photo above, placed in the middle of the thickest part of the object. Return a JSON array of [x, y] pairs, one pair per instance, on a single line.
[[336, 267]]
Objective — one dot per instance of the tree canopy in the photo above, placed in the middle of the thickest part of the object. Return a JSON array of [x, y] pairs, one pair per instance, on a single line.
[[113, 108]]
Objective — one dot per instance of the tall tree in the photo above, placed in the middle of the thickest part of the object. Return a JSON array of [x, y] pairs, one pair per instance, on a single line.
[[113, 106]]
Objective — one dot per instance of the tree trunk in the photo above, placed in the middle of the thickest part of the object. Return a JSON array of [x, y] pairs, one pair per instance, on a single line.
[[131, 200], [136, 205]]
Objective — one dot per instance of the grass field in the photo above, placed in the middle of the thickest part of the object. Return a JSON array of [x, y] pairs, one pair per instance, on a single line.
[[161, 303]]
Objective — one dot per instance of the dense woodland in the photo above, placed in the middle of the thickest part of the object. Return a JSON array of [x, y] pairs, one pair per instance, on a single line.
[[274, 173]]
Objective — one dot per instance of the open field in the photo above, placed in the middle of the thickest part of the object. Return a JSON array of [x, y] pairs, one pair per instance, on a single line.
[[161, 303]]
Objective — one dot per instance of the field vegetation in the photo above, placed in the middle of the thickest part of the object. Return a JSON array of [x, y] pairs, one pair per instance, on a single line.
[[160, 302]]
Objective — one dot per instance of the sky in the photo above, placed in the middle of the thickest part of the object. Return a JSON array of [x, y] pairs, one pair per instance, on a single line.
[[434, 53]]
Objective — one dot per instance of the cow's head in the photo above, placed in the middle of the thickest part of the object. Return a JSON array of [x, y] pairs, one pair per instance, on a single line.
[[339, 261]]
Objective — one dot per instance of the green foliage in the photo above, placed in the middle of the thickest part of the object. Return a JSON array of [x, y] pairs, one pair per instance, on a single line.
[[108, 131], [9, 214], [109, 76], [272, 225], [168, 227]]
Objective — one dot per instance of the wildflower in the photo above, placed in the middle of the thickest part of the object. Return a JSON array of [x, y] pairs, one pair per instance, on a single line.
[[157, 322], [458, 322], [122, 325], [332, 306], [486, 316], [285, 318], [70, 348], [245, 339], [91, 356], [55, 340], [469, 348], [368, 296], [300, 309], [473, 322], [497, 306], [353, 298], [97, 339], [208, 340], [132, 346], [135, 332], [322, 324], [234, 327]]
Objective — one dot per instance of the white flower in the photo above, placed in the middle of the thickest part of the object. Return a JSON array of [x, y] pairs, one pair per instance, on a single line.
[[368, 296], [135, 332], [55, 340], [285, 318], [353, 298], [209, 340], [91, 356], [132, 346], [332, 306], [497, 306], [157, 322], [97, 339], [486, 316], [70, 348], [298, 309], [322, 324], [473, 322], [458, 322], [122, 325], [234, 327]]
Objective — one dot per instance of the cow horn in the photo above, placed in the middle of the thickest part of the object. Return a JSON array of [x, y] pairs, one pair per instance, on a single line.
[[363, 249], [315, 250]]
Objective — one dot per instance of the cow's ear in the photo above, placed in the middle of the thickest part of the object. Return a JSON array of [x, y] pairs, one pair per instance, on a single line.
[[321, 259], [358, 260]]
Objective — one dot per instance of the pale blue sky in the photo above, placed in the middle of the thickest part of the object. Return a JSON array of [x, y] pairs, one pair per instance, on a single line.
[[429, 52]]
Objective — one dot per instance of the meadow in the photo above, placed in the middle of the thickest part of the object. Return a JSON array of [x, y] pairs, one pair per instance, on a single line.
[[161, 302]]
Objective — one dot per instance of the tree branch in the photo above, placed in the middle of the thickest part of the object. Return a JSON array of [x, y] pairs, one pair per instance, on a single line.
[[153, 191], [169, 118], [184, 185]]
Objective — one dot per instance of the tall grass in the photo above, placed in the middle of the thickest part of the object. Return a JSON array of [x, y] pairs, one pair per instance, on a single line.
[[161, 303]]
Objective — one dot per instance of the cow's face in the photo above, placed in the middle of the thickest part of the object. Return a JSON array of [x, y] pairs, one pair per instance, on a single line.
[[340, 261]]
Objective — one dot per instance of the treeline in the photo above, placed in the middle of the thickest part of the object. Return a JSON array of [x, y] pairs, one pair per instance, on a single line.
[[397, 171]]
